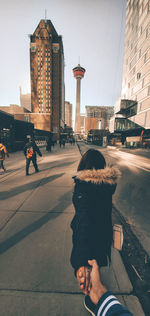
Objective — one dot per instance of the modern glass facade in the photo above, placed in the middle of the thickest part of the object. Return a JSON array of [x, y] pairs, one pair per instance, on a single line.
[[136, 66]]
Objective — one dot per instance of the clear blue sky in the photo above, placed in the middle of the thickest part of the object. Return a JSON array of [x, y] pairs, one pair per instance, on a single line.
[[91, 29]]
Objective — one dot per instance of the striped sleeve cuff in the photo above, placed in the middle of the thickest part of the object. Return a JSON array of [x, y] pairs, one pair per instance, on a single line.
[[108, 305]]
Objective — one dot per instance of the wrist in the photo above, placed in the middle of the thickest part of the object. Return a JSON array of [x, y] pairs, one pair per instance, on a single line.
[[100, 291]]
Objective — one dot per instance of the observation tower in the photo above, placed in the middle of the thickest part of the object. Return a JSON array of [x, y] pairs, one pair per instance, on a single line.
[[78, 74]]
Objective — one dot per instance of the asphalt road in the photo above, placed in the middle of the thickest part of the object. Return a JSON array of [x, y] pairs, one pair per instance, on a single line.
[[132, 197]]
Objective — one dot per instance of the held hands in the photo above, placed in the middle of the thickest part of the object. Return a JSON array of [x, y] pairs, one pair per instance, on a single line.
[[83, 277], [90, 281]]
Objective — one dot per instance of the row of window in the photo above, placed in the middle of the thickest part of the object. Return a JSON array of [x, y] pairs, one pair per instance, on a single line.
[[47, 105], [40, 63], [130, 65], [135, 5], [41, 50], [41, 96], [48, 84], [47, 72], [47, 80], [146, 36]]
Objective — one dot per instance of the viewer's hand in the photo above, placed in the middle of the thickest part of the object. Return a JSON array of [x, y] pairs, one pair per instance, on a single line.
[[96, 288], [83, 277]]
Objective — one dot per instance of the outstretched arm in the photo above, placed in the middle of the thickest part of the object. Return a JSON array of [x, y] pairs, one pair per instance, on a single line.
[[106, 303]]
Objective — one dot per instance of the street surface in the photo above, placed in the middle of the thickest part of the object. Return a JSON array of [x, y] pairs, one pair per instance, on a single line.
[[36, 277]]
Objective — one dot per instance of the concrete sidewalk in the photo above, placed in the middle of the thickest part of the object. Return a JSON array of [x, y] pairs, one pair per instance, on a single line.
[[35, 214]]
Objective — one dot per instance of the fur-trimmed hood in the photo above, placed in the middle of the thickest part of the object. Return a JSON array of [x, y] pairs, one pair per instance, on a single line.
[[107, 175]]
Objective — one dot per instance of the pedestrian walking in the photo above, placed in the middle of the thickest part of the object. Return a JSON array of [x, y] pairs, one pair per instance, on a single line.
[[64, 142], [3, 153], [60, 143], [92, 223], [49, 144], [30, 151]]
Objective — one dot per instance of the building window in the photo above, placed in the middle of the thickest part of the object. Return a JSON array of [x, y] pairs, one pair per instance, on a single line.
[[140, 107], [27, 118], [145, 58], [33, 48], [145, 118], [148, 92], [143, 83], [138, 75], [142, 7], [135, 49], [139, 53], [146, 33]]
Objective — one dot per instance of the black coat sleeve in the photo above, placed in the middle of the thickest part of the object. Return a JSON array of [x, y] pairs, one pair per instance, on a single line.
[[25, 150], [36, 148], [80, 228]]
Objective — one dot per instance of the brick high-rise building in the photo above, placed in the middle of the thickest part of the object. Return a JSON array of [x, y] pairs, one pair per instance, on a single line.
[[47, 78]]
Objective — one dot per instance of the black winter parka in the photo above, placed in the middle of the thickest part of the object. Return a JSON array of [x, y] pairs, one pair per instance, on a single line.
[[92, 224]]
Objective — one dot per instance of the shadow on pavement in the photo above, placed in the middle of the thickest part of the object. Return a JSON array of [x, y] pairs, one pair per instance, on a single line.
[[58, 166], [28, 186], [64, 202]]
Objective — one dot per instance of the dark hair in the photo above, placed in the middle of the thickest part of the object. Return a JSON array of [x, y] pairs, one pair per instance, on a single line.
[[92, 159]]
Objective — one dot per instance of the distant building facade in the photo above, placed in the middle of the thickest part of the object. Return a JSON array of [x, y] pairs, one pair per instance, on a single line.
[[97, 117], [19, 112], [47, 78], [68, 113], [82, 123], [25, 100], [132, 110]]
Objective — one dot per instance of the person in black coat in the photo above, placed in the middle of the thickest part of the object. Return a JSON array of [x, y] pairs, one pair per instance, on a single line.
[[92, 224], [30, 151], [49, 144]]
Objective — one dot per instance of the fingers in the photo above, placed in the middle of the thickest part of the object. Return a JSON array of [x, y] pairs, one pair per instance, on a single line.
[[80, 274], [92, 262], [87, 279], [81, 278]]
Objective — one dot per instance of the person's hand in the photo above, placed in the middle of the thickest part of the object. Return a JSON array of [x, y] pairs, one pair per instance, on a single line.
[[83, 277], [96, 288]]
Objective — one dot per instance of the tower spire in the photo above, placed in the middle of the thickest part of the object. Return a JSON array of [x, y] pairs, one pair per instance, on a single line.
[[45, 14], [78, 74]]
